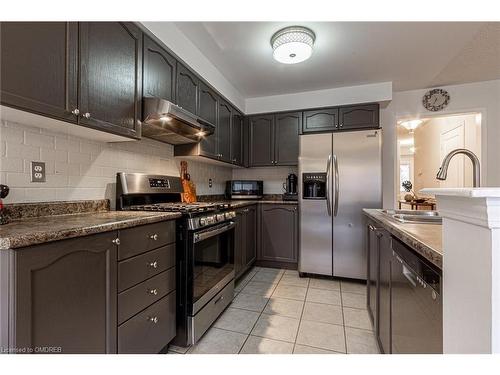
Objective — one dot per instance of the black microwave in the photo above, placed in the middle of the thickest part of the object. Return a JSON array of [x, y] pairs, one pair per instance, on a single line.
[[244, 189]]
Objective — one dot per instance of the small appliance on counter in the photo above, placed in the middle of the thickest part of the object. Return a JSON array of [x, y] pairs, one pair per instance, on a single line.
[[244, 189], [290, 187]]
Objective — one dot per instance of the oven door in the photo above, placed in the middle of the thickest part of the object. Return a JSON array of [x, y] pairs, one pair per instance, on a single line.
[[212, 262]]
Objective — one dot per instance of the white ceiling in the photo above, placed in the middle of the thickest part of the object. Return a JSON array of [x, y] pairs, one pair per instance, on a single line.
[[410, 54]]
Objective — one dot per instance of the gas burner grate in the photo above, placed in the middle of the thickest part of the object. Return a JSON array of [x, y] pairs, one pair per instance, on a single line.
[[179, 207]]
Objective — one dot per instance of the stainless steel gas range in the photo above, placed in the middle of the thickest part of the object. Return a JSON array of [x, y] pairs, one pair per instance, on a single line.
[[204, 249]]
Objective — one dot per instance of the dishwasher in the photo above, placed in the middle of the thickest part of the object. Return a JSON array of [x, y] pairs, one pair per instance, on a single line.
[[416, 303]]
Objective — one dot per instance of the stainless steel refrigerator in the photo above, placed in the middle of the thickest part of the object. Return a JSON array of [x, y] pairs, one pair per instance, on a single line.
[[339, 175]]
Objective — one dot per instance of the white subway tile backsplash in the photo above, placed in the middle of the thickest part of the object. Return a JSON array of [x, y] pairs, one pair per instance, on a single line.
[[39, 140], [78, 157], [53, 154], [11, 164], [12, 135], [14, 150], [63, 143]]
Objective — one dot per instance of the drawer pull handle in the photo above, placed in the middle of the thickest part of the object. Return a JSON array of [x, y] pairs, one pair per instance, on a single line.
[[153, 291], [154, 237], [218, 300], [116, 241], [153, 319], [153, 264]]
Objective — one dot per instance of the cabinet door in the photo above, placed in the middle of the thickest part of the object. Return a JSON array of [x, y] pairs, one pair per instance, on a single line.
[[110, 92], [373, 243], [359, 117], [237, 138], [278, 233], [187, 89], [65, 295], [384, 320], [159, 71], [322, 120], [224, 132], [239, 242], [39, 67], [209, 103], [287, 138], [261, 140], [251, 235]]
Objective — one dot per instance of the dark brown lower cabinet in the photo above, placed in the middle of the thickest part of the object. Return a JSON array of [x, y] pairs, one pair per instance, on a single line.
[[65, 296], [278, 233], [245, 239]]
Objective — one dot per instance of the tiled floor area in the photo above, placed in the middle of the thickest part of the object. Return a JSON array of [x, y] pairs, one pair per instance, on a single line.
[[276, 311]]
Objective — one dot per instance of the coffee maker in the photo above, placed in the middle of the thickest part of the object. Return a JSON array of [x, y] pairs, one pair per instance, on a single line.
[[290, 187]]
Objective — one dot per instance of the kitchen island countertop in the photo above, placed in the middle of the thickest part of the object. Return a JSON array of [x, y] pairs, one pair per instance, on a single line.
[[425, 239]]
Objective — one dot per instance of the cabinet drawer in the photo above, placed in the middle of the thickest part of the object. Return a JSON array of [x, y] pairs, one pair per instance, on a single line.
[[135, 299], [150, 330], [142, 267], [145, 237]]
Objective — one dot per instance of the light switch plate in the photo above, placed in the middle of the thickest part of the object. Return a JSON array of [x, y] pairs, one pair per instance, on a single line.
[[37, 171]]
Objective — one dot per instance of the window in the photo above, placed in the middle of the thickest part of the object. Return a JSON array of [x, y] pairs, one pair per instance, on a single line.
[[404, 174]]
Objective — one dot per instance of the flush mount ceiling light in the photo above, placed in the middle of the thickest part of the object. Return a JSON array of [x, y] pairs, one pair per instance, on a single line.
[[293, 44], [411, 125]]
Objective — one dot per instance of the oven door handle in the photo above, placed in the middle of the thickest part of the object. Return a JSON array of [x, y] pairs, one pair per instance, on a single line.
[[209, 233]]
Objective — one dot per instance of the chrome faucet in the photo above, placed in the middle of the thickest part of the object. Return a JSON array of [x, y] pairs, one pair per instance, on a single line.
[[443, 170]]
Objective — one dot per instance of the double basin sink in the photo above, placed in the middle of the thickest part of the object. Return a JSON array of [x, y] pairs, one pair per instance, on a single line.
[[414, 216]]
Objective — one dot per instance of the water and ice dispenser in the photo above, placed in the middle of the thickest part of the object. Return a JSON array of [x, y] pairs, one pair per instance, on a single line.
[[314, 185]]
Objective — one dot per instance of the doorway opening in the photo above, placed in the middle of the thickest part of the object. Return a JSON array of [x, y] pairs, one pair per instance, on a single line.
[[422, 145]]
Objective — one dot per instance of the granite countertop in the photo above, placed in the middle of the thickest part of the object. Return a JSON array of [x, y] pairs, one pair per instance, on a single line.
[[37, 230], [425, 239]]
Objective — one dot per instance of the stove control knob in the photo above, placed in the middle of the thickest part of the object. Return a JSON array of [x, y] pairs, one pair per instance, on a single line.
[[220, 217], [202, 221]]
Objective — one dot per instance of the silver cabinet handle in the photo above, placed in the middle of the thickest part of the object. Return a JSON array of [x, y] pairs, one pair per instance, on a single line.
[[328, 204], [341, 125], [116, 241], [86, 115], [154, 237], [337, 185], [153, 319], [153, 291], [153, 264], [76, 111]]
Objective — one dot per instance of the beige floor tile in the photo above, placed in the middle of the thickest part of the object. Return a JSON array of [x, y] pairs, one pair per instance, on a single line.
[[353, 287], [357, 318], [251, 302], [302, 349], [260, 345], [331, 297], [237, 320], [178, 349], [324, 284], [290, 291], [320, 312], [294, 280], [285, 307], [267, 277], [358, 301], [322, 335], [276, 271], [241, 283], [260, 288], [276, 327], [219, 341], [360, 341], [292, 272]]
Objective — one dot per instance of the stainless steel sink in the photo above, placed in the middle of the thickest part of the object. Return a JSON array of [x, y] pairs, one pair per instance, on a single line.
[[410, 216]]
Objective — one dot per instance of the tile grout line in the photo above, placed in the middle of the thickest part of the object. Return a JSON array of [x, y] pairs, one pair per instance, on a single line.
[[343, 318], [301, 315]]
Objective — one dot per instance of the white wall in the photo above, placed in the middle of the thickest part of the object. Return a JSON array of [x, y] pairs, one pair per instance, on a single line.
[[483, 97], [174, 39], [377, 92]]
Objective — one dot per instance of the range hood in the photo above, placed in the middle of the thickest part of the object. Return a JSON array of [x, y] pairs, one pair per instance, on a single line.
[[169, 123]]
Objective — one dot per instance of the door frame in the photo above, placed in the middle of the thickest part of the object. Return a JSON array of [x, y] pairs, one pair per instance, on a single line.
[[426, 114]]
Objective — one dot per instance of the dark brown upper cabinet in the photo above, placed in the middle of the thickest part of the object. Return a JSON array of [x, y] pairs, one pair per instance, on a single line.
[[39, 67], [223, 132], [159, 71], [287, 127], [209, 103], [66, 295], [322, 120], [359, 117], [261, 141], [274, 139], [110, 92], [188, 86], [237, 138]]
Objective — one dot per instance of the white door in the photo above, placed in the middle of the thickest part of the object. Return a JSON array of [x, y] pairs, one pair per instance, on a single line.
[[450, 140]]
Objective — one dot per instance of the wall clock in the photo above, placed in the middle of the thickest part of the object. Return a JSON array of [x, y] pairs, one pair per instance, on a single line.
[[436, 99]]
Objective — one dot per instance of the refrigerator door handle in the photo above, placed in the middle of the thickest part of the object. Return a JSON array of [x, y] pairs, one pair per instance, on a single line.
[[328, 204], [337, 185]]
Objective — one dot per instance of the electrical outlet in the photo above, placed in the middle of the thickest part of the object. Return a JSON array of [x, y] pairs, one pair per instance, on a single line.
[[37, 171], [210, 183]]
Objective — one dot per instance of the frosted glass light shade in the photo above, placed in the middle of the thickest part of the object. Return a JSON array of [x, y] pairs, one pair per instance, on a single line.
[[293, 44]]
